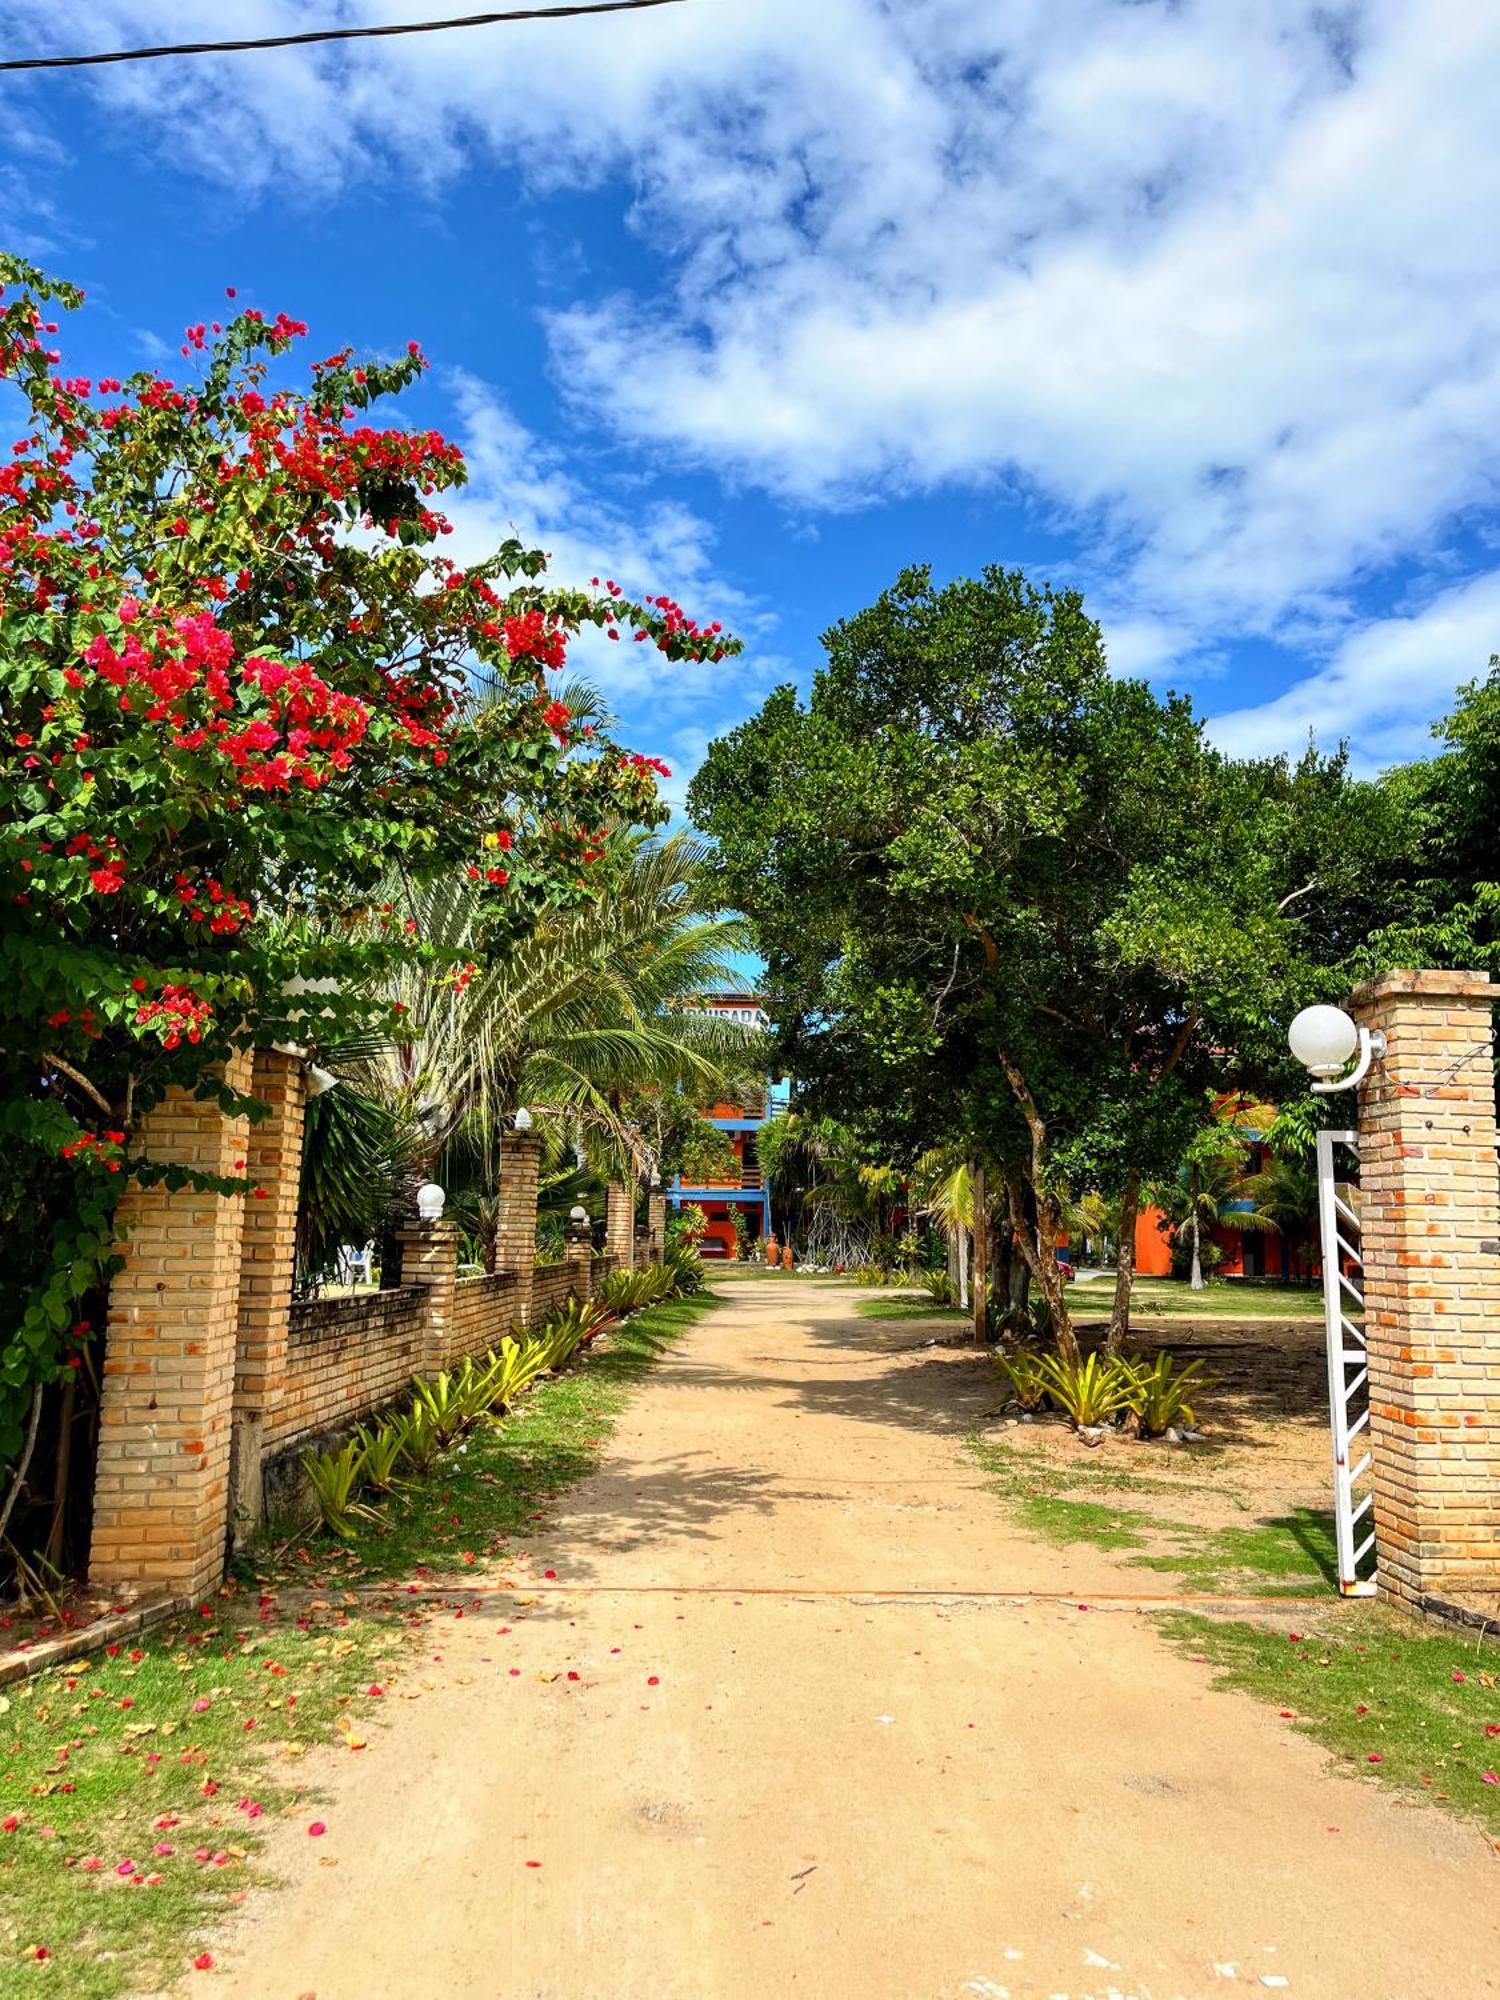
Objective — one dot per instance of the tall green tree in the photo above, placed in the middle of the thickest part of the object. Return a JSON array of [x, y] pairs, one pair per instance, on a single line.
[[1014, 900]]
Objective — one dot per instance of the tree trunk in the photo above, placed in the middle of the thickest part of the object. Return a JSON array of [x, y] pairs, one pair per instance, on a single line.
[[1119, 1316], [1002, 1265], [1039, 1244], [1018, 1296], [62, 1466], [979, 1297], [1195, 1277]]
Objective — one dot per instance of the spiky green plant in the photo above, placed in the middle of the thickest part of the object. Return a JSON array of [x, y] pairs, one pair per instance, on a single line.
[[1090, 1391], [384, 1448], [1161, 1394], [334, 1479], [1022, 1369], [630, 1291]]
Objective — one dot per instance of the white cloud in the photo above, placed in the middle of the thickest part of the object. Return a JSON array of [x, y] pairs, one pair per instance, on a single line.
[[1215, 280], [1385, 683]]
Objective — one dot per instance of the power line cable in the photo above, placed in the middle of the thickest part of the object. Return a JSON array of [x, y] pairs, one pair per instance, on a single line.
[[564, 13]]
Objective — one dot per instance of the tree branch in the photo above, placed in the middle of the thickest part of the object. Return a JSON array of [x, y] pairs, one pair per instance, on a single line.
[[77, 1076]]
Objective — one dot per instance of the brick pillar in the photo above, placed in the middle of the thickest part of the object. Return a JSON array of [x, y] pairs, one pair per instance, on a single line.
[[161, 1490], [515, 1238], [1430, 1217], [579, 1257], [619, 1223], [273, 1158], [656, 1222], [429, 1257]]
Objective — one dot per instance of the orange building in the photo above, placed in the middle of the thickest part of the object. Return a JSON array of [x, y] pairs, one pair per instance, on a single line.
[[745, 1192]]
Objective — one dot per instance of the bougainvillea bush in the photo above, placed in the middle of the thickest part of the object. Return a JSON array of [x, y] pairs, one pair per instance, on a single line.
[[243, 692]]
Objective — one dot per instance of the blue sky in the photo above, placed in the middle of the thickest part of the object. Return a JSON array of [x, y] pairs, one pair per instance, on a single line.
[[1196, 306]]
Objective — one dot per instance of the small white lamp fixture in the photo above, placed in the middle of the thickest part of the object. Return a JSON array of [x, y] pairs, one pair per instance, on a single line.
[[430, 1199], [1323, 1039], [523, 1119], [577, 1213], [319, 1080]]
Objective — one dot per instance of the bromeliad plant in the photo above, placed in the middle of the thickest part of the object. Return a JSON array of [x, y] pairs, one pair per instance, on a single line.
[[1161, 1394], [1022, 1369], [236, 672], [335, 1479], [628, 1291], [1101, 1387]]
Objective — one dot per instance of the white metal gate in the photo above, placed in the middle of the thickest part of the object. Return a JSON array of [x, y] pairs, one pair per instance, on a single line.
[[1348, 1371]]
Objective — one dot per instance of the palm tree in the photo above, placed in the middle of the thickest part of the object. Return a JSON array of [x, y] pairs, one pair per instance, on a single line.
[[1211, 1176], [943, 1188], [584, 1019]]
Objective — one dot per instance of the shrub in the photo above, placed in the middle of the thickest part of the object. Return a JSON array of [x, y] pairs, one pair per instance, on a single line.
[[1022, 1368], [686, 1269], [1160, 1394], [441, 1398], [383, 1446], [940, 1287], [629, 1291], [335, 1478], [1090, 1391]]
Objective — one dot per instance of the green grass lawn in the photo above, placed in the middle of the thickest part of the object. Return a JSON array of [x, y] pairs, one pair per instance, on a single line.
[[133, 1785], [906, 1305], [1221, 1297], [1291, 1554], [172, 1750], [1412, 1706]]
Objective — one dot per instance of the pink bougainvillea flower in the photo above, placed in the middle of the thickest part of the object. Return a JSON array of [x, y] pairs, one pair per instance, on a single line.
[[374, 1688], [1489, 1778], [10, 1822], [1460, 1678], [124, 1867], [203, 1962], [1492, 1729], [533, 1864], [653, 1680], [163, 1847], [91, 1864], [550, 1572], [317, 1828], [202, 1705], [1374, 1758]]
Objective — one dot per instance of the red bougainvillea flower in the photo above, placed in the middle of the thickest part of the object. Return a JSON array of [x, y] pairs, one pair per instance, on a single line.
[[203, 1962], [317, 1828]]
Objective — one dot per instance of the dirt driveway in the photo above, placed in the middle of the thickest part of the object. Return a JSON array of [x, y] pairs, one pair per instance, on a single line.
[[803, 1713]]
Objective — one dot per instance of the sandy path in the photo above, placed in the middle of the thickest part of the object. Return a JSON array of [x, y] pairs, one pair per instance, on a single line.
[[808, 1771]]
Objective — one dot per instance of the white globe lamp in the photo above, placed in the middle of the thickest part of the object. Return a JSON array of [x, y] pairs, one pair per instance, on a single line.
[[1324, 1040], [430, 1199]]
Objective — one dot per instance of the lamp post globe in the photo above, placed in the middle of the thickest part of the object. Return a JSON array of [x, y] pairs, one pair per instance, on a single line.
[[430, 1199], [1323, 1039]]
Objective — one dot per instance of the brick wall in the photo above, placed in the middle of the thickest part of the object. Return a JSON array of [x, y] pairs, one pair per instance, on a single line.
[[206, 1344], [161, 1489], [1430, 1218], [550, 1286], [485, 1309], [345, 1358]]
